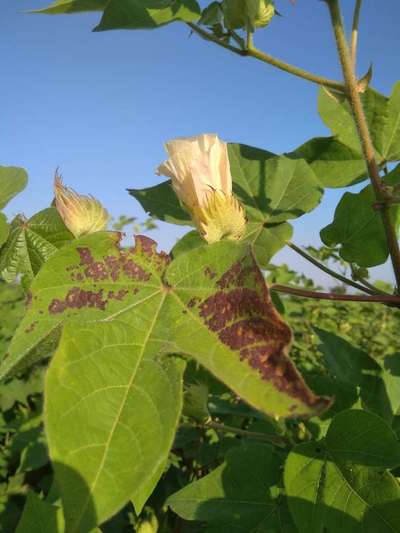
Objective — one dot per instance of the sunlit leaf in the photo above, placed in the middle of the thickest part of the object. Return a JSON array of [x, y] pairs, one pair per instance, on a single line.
[[145, 14], [72, 6], [216, 309], [110, 433], [31, 242], [12, 181], [357, 227]]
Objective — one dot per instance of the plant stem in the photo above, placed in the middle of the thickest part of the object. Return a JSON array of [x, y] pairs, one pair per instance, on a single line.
[[266, 58], [377, 298], [354, 33], [210, 37], [296, 71], [332, 273], [364, 135], [275, 439]]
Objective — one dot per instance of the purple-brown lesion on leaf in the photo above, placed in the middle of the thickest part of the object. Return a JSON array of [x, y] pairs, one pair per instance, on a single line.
[[243, 316], [148, 247], [193, 302], [117, 295], [31, 327], [209, 273], [29, 298], [124, 264], [77, 298]]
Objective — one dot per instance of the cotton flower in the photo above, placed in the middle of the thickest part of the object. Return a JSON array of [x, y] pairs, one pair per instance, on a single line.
[[81, 214], [201, 178]]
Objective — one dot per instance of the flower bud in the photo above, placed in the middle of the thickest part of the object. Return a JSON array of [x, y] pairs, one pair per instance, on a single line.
[[248, 14], [81, 214], [201, 178]]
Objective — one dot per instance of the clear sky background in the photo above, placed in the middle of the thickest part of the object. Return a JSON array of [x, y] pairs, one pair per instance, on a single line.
[[100, 105]]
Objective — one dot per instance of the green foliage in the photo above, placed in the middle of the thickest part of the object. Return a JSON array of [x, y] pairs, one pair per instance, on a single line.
[[95, 428], [337, 161], [172, 401], [339, 483], [357, 222], [232, 497], [12, 181], [95, 279], [147, 14], [30, 243]]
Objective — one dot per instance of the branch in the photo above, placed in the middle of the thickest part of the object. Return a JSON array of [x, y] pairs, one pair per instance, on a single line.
[[378, 298], [266, 58], [332, 273], [354, 33], [364, 135]]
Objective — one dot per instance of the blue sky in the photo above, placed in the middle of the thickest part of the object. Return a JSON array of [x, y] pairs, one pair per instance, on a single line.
[[100, 105]]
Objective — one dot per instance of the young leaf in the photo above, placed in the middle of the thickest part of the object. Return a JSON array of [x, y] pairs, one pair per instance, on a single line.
[[112, 406], [31, 242], [145, 14], [216, 309], [357, 227], [333, 485], [12, 181], [236, 496]]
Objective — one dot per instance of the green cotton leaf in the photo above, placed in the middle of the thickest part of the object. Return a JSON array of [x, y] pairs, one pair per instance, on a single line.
[[215, 307], [266, 240], [110, 433], [40, 517], [332, 485], [72, 6], [391, 135], [345, 362], [147, 14], [13, 180], [31, 242], [336, 113], [363, 438], [379, 381], [380, 391], [236, 496], [338, 161], [357, 227], [161, 202], [188, 242], [272, 189], [335, 164], [4, 229]]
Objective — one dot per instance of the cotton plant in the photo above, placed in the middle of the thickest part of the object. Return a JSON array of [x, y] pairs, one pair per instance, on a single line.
[[170, 393]]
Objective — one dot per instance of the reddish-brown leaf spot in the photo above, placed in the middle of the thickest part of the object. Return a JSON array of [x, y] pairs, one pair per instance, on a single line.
[[77, 298], [31, 327], [241, 313]]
